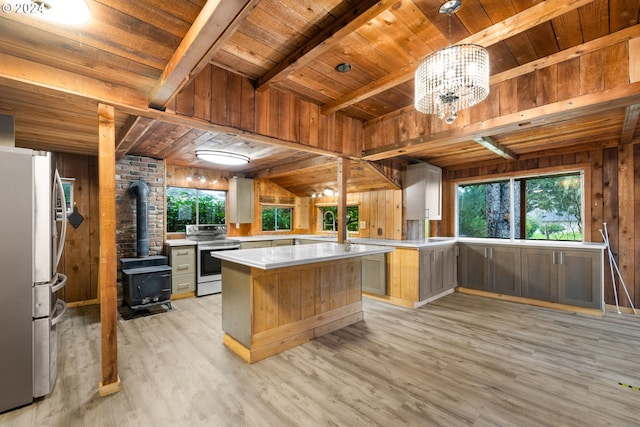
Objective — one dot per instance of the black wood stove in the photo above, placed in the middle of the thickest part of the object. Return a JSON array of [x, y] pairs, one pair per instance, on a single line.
[[146, 282]]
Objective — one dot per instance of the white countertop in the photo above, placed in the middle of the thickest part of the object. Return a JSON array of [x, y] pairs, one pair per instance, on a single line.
[[287, 256], [533, 243], [180, 242]]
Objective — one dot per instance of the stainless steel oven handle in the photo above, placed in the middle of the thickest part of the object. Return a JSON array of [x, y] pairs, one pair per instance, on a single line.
[[61, 308], [61, 282]]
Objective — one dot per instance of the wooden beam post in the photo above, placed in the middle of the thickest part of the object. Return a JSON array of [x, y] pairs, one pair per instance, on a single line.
[[343, 176], [110, 382]]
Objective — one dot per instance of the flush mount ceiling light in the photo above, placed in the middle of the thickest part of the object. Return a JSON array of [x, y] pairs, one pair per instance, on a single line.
[[222, 157], [452, 79], [344, 67], [66, 12]]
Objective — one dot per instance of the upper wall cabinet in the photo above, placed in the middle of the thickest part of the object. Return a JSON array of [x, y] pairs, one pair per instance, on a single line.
[[423, 192], [240, 201]]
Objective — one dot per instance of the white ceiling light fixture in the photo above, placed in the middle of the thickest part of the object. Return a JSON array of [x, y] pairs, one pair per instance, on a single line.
[[452, 79], [222, 157], [66, 12]]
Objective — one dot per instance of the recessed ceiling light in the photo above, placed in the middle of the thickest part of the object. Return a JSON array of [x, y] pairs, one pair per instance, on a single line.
[[344, 67]]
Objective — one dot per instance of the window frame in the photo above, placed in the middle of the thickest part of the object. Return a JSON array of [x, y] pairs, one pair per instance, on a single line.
[[584, 169], [276, 206], [320, 217], [197, 207]]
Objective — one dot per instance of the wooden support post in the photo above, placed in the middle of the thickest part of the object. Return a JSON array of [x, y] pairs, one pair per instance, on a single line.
[[110, 382], [343, 175]]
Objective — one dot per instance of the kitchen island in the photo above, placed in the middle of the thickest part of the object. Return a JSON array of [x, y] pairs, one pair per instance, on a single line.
[[276, 298]]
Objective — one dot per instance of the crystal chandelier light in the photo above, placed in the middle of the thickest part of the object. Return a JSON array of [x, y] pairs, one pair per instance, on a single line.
[[452, 79]]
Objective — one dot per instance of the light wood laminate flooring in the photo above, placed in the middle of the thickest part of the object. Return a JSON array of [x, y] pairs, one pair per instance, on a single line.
[[462, 360]]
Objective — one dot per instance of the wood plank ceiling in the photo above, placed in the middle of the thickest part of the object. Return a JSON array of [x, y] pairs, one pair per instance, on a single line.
[[138, 55]]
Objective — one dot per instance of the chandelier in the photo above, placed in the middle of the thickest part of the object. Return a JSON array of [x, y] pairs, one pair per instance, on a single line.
[[452, 79]]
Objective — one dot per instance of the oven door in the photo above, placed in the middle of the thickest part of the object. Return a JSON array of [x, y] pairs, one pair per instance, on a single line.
[[210, 267]]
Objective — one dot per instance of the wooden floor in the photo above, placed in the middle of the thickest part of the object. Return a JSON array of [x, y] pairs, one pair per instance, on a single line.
[[462, 360]]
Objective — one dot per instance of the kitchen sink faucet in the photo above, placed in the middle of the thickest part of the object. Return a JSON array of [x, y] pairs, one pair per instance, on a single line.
[[333, 222]]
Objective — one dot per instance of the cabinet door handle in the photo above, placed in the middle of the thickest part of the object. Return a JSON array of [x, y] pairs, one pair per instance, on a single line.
[[183, 252], [553, 257], [561, 258], [485, 252], [490, 253]]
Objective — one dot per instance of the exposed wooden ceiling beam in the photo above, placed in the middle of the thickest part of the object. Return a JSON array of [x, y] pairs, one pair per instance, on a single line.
[[529, 18], [355, 18], [631, 116], [382, 173], [134, 129], [618, 97], [493, 146], [212, 23], [304, 167]]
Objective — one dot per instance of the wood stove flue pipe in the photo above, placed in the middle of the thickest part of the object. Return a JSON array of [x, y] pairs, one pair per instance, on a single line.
[[141, 190]]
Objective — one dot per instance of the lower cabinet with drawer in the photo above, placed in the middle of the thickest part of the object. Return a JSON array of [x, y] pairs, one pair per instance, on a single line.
[[183, 270]]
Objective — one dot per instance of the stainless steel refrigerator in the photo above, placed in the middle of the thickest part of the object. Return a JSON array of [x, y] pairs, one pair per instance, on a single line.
[[31, 241]]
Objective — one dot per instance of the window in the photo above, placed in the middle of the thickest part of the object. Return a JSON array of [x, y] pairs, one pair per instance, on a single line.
[[541, 208], [276, 218], [329, 218], [193, 206]]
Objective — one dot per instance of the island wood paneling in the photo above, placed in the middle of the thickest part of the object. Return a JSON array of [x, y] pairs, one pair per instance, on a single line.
[[227, 99], [82, 247], [403, 276], [611, 196]]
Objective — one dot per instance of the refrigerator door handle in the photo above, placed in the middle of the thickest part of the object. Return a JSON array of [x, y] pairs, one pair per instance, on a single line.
[[61, 308], [63, 231], [61, 282]]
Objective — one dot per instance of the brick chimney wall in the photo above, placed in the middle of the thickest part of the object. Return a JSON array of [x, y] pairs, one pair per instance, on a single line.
[[151, 171]]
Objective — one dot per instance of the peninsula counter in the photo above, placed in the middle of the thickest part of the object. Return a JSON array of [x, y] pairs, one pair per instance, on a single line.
[[279, 297]]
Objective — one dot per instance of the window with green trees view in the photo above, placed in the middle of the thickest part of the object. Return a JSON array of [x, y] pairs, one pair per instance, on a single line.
[[194, 206], [327, 222], [276, 218], [539, 208]]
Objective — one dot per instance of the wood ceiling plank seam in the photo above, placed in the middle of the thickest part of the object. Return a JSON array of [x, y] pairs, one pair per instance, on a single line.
[[631, 115], [326, 39], [473, 17], [156, 14], [494, 34], [623, 14], [49, 77], [287, 15], [130, 134], [388, 35], [543, 39], [520, 48], [177, 144], [597, 14], [227, 61], [568, 29]]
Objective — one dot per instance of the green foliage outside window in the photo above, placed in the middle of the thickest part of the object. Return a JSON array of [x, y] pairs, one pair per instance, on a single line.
[[353, 222], [192, 206], [545, 208], [276, 218]]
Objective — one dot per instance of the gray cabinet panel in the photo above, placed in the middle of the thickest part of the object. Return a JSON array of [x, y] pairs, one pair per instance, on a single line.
[[539, 274], [472, 267], [374, 274], [437, 270], [579, 278], [504, 270]]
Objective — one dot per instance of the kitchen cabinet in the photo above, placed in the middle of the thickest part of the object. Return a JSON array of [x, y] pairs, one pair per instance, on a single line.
[[374, 274], [240, 201], [493, 268], [423, 192], [182, 260], [437, 270], [282, 242], [566, 276]]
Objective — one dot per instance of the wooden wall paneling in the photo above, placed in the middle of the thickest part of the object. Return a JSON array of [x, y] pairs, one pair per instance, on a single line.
[[364, 214], [526, 91], [314, 124], [77, 262], [234, 100], [610, 206], [397, 215], [202, 94], [262, 112], [508, 97], [546, 85], [634, 60], [94, 226], [184, 100], [626, 212], [265, 300], [219, 95], [616, 65], [569, 75], [373, 215], [389, 212], [248, 108], [283, 117], [294, 119], [592, 72]]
